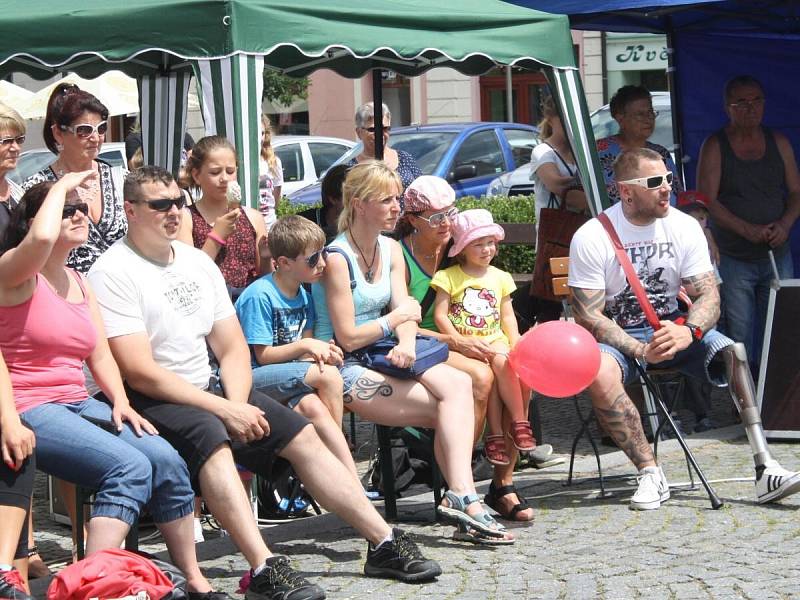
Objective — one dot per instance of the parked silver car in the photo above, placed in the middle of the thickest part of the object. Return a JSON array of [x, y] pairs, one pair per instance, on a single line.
[[32, 161], [306, 157], [519, 182]]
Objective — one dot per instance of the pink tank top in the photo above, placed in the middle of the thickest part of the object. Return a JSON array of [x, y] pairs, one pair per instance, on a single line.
[[44, 342]]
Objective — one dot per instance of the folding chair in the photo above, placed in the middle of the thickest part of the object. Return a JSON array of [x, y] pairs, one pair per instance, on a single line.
[[653, 397], [83, 497]]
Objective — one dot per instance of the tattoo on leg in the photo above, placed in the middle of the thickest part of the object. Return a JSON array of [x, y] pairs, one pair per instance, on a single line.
[[366, 389], [624, 425]]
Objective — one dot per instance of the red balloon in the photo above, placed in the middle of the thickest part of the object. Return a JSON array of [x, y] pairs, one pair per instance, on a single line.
[[558, 359]]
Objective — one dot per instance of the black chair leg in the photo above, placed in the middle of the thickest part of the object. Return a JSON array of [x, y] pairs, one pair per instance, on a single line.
[[716, 503], [387, 474]]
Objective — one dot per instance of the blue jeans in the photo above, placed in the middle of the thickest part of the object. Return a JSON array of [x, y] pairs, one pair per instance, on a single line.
[[128, 471], [695, 361], [284, 382], [745, 296]]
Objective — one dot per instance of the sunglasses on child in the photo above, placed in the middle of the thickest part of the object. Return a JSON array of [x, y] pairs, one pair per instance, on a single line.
[[7, 141], [437, 219], [84, 130], [164, 204], [313, 259], [651, 183], [69, 210]]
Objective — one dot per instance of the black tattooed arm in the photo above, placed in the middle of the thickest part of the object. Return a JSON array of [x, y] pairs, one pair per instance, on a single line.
[[703, 291], [587, 307]]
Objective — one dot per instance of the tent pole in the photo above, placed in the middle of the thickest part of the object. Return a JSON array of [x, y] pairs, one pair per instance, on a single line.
[[677, 117], [377, 100], [509, 96]]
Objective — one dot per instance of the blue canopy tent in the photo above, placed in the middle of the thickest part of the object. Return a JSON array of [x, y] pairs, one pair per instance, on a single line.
[[709, 43]]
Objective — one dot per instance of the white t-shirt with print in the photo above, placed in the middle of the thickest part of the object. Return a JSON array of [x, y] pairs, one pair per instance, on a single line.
[[543, 154], [176, 305], [662, 253]]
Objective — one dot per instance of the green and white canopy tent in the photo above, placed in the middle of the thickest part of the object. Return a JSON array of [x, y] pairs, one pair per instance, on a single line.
[[226, 43]]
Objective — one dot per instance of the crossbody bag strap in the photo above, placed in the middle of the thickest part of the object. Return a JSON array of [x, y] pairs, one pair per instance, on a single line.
[[630, 274], [554, 201]]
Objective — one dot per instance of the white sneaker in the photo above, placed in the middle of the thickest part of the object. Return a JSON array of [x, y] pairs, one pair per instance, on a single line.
[[653, 489], [198, 531], [774, 482]]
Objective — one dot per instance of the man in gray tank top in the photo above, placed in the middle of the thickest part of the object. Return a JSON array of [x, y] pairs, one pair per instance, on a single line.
[[750, 175]]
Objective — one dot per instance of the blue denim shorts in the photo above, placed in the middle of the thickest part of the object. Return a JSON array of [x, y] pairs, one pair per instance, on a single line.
[[351, 371], [284, 382], [695, 361]]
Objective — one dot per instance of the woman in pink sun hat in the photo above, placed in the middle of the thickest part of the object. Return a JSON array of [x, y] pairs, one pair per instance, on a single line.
[[473, 300]]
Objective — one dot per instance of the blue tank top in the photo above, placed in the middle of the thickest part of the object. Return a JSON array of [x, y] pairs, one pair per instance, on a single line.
[[369, 299]]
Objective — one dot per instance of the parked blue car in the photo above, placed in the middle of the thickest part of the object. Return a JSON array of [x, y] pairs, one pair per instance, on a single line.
[[468, 155]]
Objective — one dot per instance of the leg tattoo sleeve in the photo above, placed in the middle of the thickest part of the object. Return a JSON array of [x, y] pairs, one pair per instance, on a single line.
[[624, 425]]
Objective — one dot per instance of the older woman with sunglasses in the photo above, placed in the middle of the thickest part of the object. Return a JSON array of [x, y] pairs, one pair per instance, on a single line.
[[399, 161], [49, 326], [12, 136], [424, 231], [632, 109], [74, 129]]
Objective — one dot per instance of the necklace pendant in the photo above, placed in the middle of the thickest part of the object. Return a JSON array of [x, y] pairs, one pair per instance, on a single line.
[[368, 275]]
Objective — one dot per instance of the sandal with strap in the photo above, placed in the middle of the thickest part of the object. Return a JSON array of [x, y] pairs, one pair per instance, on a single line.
[[492, 500], [522, 436], [457, 510], [464, 533], [37, 568], [495, 448]]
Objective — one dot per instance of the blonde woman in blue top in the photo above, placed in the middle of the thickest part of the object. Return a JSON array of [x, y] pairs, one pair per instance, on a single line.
[[440, 398]]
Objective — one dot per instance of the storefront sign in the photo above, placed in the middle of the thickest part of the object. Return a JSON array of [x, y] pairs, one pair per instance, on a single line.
[[636, 55]]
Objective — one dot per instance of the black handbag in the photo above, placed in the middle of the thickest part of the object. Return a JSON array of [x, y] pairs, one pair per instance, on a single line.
[[429, 353]]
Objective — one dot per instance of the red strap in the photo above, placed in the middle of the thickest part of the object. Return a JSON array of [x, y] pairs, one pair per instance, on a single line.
[[630, 274]]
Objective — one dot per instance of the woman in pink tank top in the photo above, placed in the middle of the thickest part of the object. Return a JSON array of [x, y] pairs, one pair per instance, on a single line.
[[49, 326]]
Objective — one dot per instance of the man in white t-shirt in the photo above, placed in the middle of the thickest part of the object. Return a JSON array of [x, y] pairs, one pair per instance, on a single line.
[[668, 250], [161, 302]]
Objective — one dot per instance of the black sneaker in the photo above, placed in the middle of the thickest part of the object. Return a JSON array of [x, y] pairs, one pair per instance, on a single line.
[[400, 559], [278, 581], [11, 587]]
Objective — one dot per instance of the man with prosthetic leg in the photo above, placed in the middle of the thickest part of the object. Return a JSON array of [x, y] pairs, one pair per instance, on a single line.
[[668, 251]]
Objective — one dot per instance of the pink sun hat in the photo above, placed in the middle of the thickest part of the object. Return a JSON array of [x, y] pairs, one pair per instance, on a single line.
[[428, 192], [471, 225]]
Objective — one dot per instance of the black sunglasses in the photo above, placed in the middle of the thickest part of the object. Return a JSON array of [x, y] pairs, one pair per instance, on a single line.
[[312, 260], [164, 204], [386, 128], [69, 210]]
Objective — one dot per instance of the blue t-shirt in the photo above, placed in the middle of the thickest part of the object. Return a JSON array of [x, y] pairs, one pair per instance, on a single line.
[[269, 318]]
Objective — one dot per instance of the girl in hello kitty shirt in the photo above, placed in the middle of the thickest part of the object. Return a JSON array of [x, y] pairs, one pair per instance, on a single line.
[[473, 299]]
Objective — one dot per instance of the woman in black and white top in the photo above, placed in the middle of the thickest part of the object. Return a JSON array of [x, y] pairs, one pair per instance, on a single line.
[[12, 136], [74, 130]]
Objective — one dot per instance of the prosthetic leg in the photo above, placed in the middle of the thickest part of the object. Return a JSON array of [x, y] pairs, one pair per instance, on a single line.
[[773, 482]]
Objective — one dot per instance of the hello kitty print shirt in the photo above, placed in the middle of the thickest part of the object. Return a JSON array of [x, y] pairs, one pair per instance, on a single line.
[[475, 301]]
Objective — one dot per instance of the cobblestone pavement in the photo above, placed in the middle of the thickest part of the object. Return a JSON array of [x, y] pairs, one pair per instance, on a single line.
[[579, 546]]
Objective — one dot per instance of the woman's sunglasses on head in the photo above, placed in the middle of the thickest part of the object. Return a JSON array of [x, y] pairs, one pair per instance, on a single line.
[[84, 130], [651, 183]]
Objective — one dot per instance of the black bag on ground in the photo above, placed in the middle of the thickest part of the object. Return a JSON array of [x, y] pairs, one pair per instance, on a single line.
[[282, 495], [411, 462]]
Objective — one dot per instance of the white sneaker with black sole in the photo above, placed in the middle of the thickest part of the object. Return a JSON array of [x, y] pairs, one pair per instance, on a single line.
[[653, 489], [773, 483]]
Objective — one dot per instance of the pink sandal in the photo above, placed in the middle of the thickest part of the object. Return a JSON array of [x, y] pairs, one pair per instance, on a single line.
[[495, 448], [522, 435]]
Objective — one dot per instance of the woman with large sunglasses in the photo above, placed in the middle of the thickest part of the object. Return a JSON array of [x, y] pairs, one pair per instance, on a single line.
[[425, 235], [399, 161], [74, 130], [441, 397], [49, 326], [12, 136], [221, 224]]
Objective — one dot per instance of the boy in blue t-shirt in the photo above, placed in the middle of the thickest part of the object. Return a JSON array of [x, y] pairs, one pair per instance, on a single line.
[[277, 317]]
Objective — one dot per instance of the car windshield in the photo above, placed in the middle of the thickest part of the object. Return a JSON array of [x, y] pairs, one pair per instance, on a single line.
[[427, 147]]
